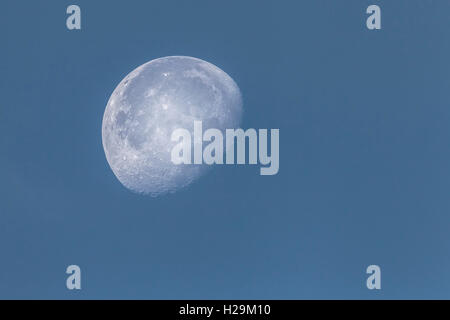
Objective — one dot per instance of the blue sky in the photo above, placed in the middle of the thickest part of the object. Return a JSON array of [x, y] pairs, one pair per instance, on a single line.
[[364, 160]]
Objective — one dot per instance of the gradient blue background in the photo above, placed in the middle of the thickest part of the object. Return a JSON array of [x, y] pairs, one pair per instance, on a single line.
[[364, 178]]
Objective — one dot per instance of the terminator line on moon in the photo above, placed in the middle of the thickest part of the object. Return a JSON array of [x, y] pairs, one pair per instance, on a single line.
[[149, 104]]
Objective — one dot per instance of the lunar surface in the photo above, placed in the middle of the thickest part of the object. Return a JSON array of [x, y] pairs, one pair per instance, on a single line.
[[149, 104]]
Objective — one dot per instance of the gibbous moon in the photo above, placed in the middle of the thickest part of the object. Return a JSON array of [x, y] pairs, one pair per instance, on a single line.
[[151, 102]]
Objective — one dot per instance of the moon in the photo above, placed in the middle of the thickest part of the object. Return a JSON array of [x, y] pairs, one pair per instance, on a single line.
[[151, 102]]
